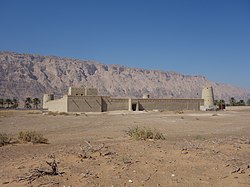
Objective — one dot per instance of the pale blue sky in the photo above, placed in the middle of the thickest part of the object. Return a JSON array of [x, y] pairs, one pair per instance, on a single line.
[[193, 37]]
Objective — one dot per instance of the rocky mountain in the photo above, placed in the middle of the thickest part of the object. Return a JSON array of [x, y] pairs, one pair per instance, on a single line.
[[27, 75]]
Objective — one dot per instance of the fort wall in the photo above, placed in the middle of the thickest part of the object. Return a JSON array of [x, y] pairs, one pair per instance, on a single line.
[[111, 104], [87, 100], [84, 104], [168, 104], [58, 105]]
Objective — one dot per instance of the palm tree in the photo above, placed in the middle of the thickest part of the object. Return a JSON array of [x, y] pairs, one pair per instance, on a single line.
[[221, 101], [28, 102], [221, 104], [8, 102], [14, 103], [232, 101], [2, 103], [216, 102], [241, 103], [248, 102], [36, 102]]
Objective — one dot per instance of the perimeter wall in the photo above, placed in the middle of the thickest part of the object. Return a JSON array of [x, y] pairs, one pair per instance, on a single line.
[[168, 104], [103, 104]]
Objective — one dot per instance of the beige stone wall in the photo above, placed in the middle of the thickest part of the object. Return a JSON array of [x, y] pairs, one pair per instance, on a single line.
[[111, 104], [169, 104], [84, 104], [58, 105], [103, 104], [76, 91], [91, 91]]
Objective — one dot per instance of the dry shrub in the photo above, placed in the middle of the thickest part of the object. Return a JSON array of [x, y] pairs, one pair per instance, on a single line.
[[31, 136], [57, 113], [179, 112], [143, 133], [4, 139], [34, 112], [63, 113], [52, 113]]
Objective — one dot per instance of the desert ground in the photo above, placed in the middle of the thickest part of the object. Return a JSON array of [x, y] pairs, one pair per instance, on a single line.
[[93, 149]]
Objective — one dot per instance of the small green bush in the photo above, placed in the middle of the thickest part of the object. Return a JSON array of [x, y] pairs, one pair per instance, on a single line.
[[31, 136], [143, 133], [4, 139]]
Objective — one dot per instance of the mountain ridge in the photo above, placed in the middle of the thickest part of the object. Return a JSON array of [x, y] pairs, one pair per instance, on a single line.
[[28, 75]]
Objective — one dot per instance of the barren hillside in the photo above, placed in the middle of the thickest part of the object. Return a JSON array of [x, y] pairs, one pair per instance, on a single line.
[[23, 75]]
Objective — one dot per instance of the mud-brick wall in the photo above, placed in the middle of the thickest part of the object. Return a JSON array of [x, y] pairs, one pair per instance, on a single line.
[[169, 104], [111, 104], [59, 105], [84, 104]]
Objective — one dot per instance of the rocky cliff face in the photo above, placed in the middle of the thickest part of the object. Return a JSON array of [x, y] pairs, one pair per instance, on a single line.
[[27, 75]]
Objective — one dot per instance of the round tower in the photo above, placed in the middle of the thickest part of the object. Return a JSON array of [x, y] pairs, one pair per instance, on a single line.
[[208, 96]]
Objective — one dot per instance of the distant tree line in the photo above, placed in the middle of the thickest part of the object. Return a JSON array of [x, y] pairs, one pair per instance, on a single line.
[[14, 103], [232, 102], [29, 102], [9, 103]]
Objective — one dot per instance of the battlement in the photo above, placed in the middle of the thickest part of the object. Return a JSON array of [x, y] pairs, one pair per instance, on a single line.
[[82, 91]]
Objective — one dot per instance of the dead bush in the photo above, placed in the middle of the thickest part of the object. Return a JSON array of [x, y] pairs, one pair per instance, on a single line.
[[35, 112], [57, 113], [63, 113], [143, 133], [31, 136], [4, 139], [52, 113], [179, 112]]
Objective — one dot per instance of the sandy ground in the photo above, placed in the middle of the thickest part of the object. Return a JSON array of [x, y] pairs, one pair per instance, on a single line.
[[200, 149]]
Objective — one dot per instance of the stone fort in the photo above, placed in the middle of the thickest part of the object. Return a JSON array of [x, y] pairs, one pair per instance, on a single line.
[[80, 99]]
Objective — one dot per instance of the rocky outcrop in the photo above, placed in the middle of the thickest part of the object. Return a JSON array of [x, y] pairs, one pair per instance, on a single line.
[[24, 75]]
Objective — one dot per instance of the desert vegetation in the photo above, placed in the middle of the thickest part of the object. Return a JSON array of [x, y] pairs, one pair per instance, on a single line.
[[128, 149], [4, 139], [144, 133], [9, 103], [57, 113], [29, 102], [22, 137], [31, 136]]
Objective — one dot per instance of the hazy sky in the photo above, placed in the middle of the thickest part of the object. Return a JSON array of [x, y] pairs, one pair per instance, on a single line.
[[193, 37]]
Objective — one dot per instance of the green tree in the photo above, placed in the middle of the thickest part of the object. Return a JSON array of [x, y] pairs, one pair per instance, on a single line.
[[28, 102], [248, 102], [2, 103], [241, 103], [232, 101], [221, 101], [8, 102], [14, 103], [216, 102], [36, 102]]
